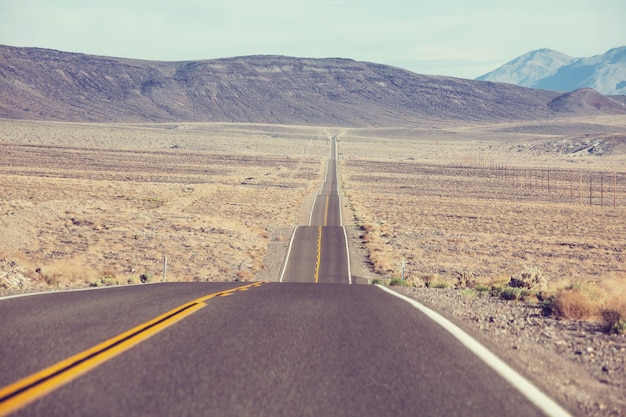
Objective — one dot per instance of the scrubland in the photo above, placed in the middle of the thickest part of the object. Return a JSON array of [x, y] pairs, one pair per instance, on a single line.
[[474, 207], [102, 204], [469, 206]]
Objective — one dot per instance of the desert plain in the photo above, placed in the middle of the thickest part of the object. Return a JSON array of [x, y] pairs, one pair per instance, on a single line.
[[450, 206], [484, 203], [91, 205], [100, 204]]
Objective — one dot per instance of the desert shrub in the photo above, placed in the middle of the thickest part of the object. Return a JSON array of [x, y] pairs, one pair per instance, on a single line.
[[614, 321], [465, 279], [613, 313], [395, 282], [531, 278], [574, 304], [495, 291], [509, 294], [382, 261], [481, 289], [52, 279], [413, 281], [377, 281], [618, 327], [518, 283], [437, 284], [381, 257], [104, 281], [469, 292], [548, 305], [514, 294], [427, 279], [518, 288]]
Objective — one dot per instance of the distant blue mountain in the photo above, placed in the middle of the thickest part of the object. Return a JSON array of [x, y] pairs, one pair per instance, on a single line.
[[551, 70]]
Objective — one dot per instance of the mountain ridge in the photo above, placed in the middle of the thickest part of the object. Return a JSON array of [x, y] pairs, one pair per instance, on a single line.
[[552, 70], [46, 84]]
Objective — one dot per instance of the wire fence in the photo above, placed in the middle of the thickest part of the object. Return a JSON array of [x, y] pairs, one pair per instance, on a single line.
[[584, 187], [574, 186]]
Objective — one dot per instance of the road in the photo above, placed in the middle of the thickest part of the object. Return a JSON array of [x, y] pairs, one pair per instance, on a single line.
[[257, 349], [272, 350], [318, 252]]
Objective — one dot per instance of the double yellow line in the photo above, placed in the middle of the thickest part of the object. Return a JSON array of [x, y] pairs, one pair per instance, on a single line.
[[27, 390], [319, 253], [319, 242], [326, 211]]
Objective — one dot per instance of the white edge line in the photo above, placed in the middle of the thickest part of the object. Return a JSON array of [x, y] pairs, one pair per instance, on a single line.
[[340, 211], [282, 274], [108, 287], [345, 235], [313, 208], [337, 181], [525, 387]]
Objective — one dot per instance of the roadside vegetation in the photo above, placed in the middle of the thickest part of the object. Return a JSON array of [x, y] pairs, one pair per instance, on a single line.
[[100, 205], [497, 215]]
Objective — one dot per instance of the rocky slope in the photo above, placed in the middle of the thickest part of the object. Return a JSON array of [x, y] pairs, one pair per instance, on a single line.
[[53, 85]]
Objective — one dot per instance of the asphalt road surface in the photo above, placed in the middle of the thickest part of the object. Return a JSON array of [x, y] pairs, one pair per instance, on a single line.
[[318, 252], [271, 350], [306, 348]]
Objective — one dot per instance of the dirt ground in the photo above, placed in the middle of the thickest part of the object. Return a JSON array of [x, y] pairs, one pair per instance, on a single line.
[[105, 204], [85, 204], [96, 204], [458, 207], [460, 202]]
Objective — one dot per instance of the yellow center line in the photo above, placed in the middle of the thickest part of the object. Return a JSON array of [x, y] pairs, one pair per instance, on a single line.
[[326, 211], [37, 385], [319, 253]]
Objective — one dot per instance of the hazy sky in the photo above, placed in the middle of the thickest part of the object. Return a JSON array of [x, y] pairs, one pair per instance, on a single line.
[[462, 38]]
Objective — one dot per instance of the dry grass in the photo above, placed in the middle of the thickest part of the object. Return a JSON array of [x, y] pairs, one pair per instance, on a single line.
[[465, 202], [600, 301], [82, 202], [462, 205], [575, 305]]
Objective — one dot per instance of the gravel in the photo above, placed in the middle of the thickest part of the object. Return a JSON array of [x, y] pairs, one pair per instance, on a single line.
[[576, 363]]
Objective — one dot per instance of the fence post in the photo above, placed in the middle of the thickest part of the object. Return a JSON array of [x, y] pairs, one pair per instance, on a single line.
[[581, 187], [602, 190], [614, 190], [590, 190], [165, 269]]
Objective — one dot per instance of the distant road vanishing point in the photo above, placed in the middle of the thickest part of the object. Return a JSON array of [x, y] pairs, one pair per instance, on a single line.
[[319, 251]]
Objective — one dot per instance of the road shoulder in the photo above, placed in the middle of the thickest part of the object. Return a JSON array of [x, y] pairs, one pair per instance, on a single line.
[[539, 348]]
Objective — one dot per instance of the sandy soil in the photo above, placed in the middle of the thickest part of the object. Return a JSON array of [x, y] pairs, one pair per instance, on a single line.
[[105, 204], [468, 206], [88, 204], [459, 202]]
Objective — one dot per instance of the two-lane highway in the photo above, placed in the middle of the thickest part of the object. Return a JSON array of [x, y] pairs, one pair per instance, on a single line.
[[298, 348], [318, 252], [271, 350]]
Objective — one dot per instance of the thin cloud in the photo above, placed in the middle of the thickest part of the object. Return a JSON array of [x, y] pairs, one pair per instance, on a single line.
[[451, 37]]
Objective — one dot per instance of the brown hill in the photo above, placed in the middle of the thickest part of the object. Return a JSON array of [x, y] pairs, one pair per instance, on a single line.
[[53, 85], [586, 101]]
